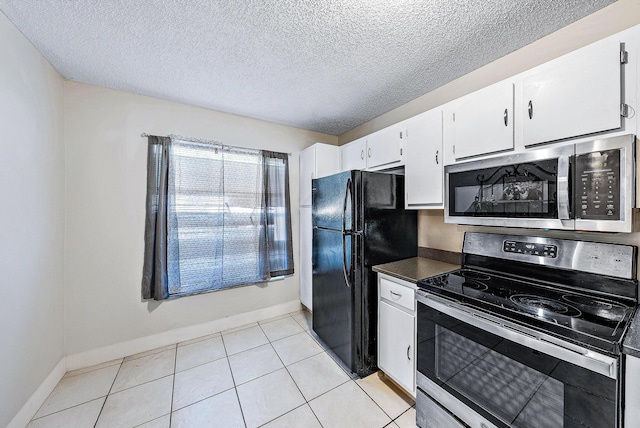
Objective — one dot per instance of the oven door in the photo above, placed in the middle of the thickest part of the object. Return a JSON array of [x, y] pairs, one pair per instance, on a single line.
[[486, 379], [523, 190]]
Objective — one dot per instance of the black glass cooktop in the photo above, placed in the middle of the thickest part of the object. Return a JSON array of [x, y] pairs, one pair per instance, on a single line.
[[589, 320]]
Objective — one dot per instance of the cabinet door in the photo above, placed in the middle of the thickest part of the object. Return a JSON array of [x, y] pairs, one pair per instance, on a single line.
[[327, 160], [306, 248], [384, 148], [396, 348], [423, 170], [354, 155], [576, 94], [482, 122], [307, 173]]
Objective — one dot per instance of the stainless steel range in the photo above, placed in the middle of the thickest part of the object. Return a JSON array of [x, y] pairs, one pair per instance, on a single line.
[[527, 333]]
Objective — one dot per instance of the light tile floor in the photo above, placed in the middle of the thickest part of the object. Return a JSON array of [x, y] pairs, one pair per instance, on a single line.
[[272, 374]]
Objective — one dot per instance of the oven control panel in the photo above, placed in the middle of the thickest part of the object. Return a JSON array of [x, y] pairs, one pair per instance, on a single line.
[[530, 249]]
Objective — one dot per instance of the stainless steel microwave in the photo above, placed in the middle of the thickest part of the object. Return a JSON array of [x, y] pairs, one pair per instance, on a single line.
[[587, 186]]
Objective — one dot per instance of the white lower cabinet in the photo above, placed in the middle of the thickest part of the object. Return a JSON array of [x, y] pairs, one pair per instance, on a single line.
[[397, 331]]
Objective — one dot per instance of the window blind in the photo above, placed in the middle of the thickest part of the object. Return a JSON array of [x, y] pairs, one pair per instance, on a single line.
[[228, 216]]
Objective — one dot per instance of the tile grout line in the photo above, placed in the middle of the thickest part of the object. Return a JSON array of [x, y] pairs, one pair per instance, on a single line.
[[292, 379], [140, 384], [155, 419], [372, 399], [193, 341], [307, 328], [354, 381], [173, 386], [148, 353], [108, 392], [296, 384], [403, 413], [92, 369], [233, 379], [79, 404], [383, 411], [66, 408]]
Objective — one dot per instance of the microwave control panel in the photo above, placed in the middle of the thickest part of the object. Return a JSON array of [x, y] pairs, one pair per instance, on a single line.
[[597, 186]]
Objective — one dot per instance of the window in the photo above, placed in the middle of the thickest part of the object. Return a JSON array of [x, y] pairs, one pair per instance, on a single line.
[[217, 216]]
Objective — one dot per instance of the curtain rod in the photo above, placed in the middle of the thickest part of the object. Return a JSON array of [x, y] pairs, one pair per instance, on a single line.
[[145, 135]]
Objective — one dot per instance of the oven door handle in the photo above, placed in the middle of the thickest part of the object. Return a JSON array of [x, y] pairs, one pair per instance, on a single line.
[[563, 194], [573, 354]]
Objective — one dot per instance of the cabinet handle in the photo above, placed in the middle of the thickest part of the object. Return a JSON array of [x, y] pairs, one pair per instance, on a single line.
[[530, 109], [395, 294], [362, 154], [437, 157], [506, 117], [369, 152], [408, 351]]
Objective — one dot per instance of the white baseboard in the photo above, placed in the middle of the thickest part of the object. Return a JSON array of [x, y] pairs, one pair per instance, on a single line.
[[23, 417], [142, 344], [130, 347]]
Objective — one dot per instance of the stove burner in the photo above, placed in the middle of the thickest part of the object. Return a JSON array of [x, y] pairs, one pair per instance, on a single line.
[[537, 303], [593, 303], [470, 274], [438, 281], [475, 285]]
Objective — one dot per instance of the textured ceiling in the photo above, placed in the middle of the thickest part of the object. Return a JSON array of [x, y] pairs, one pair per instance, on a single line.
[[321, 65]]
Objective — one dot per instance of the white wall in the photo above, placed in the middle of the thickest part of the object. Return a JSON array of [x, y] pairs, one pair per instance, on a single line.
[[105, 203], [31, 220]]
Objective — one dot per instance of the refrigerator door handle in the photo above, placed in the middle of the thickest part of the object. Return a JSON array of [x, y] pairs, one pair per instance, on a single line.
[[344, 206], [344, 260], [345, 233]]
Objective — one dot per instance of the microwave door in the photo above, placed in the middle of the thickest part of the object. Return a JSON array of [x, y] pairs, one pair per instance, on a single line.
[[523, 190]]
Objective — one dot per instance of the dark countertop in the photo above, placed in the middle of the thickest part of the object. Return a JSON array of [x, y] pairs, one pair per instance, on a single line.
[[631, 344], [415, 269]]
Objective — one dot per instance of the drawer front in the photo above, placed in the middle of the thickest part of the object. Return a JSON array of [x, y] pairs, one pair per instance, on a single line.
[[430, 415], [397, 294]]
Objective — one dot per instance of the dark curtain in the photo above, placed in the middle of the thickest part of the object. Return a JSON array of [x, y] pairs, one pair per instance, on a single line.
[[154, 273], [278, 210], [217, 217]]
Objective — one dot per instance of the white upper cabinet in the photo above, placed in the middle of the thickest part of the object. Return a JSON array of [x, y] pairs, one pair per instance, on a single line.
[[354, 155], [423, 168], [482, 122], [307, 171], [384, 148], [316, 161], [577, 94], [380, 150]]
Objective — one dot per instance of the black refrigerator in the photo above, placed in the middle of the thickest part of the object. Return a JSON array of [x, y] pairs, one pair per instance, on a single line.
[[359, 221]]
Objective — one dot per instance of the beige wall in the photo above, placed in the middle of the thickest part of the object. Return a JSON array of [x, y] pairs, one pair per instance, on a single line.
[[433, 232], [31, 220], [105, 203]]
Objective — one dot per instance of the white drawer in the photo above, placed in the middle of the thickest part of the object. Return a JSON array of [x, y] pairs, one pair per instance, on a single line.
[[398, 294]]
